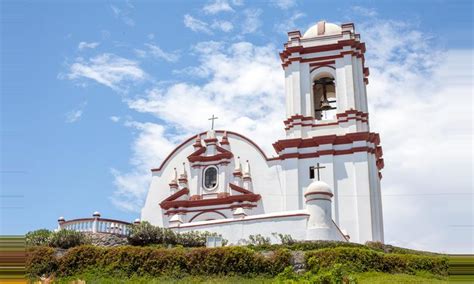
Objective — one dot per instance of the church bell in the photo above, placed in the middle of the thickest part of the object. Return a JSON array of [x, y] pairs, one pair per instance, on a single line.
[[325, 104]]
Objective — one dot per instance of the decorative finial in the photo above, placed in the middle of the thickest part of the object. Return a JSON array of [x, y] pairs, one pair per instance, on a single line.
[[185, 174], [224, 140], [247, 169], [238, 166], [174, 176]]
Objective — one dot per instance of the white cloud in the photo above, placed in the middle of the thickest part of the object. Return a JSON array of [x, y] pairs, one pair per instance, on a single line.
[[83, 45], [196, 25], [75, 114], [218, 6], [284, 4], [289, 24], [115, 118], [107, 69], [420, 101], [140, 52], [224, 26], [363, 11], [149, 147], [157, 52], [252, 21], [238, 73], [123, 15], [238, 2]]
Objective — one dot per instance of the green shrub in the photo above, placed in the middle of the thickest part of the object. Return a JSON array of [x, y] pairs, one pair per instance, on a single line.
[[79, 259], [259, 240], [393, 249], [154, 262], [40, 261], [306, 245], [145, 234], [67, 239], [38, 238], [285, 239], [362, 260]]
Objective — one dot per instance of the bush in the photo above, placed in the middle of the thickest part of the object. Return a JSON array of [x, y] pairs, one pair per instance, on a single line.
[[79, 259], [259, 240], [286, 239], [40, 261], [305, 245], [67, 239], [38, 238], [148, 261], [393, 249], [145, 234], [362, 260]]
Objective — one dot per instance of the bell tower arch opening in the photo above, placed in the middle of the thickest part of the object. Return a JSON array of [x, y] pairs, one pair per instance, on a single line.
[[324, 96]]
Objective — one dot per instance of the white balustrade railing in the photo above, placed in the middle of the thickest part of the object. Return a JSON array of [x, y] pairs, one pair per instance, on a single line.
[[96, 225]]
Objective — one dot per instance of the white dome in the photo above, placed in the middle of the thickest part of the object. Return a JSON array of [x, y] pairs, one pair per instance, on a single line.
[[322, 29], [318, 187]]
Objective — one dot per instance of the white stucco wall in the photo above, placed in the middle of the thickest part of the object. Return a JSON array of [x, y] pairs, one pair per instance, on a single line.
[[238, 230]]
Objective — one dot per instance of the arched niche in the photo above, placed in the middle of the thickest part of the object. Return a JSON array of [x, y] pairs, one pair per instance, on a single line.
[[207, 216], [323, 93]]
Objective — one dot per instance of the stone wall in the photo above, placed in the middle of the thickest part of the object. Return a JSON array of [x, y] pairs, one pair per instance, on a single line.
[[107, 240]]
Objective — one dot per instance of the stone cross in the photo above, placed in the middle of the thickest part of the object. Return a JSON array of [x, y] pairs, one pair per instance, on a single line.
[[317, 168], [213, 118]]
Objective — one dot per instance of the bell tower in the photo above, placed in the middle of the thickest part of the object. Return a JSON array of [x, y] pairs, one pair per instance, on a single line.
[[327, 125], [325, 81]]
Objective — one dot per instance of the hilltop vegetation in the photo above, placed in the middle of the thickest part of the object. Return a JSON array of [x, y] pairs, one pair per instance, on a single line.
[[156, 255], [332, 264]]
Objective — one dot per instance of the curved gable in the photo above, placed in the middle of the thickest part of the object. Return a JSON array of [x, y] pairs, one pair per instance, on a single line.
[[190, 140]]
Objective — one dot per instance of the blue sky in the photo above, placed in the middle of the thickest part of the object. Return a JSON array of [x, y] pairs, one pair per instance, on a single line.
[[95, 93]]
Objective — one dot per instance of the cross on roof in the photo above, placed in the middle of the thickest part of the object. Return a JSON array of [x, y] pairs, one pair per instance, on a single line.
[[317, 168], [213, 118]]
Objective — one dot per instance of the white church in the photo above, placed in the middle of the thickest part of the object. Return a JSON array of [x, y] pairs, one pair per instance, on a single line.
[[322, 184]]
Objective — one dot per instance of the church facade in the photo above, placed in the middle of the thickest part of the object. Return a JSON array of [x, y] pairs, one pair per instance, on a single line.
[[324, 182]]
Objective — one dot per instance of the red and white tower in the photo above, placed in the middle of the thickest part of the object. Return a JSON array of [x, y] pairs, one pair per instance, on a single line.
[[327, 123]]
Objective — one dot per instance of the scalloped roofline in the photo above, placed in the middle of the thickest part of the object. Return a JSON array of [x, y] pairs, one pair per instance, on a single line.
[[217, 131]]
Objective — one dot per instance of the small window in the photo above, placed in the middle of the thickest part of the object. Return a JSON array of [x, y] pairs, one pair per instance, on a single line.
[[210, 178], [311, 172]]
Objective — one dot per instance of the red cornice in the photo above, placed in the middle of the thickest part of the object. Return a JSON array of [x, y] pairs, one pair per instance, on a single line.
[[341, 118], [239, 189], [213, 158], [223, 154], [231, 207], [326, 139], [319, 192], [177, 195], [320, 48], [209, 202]]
